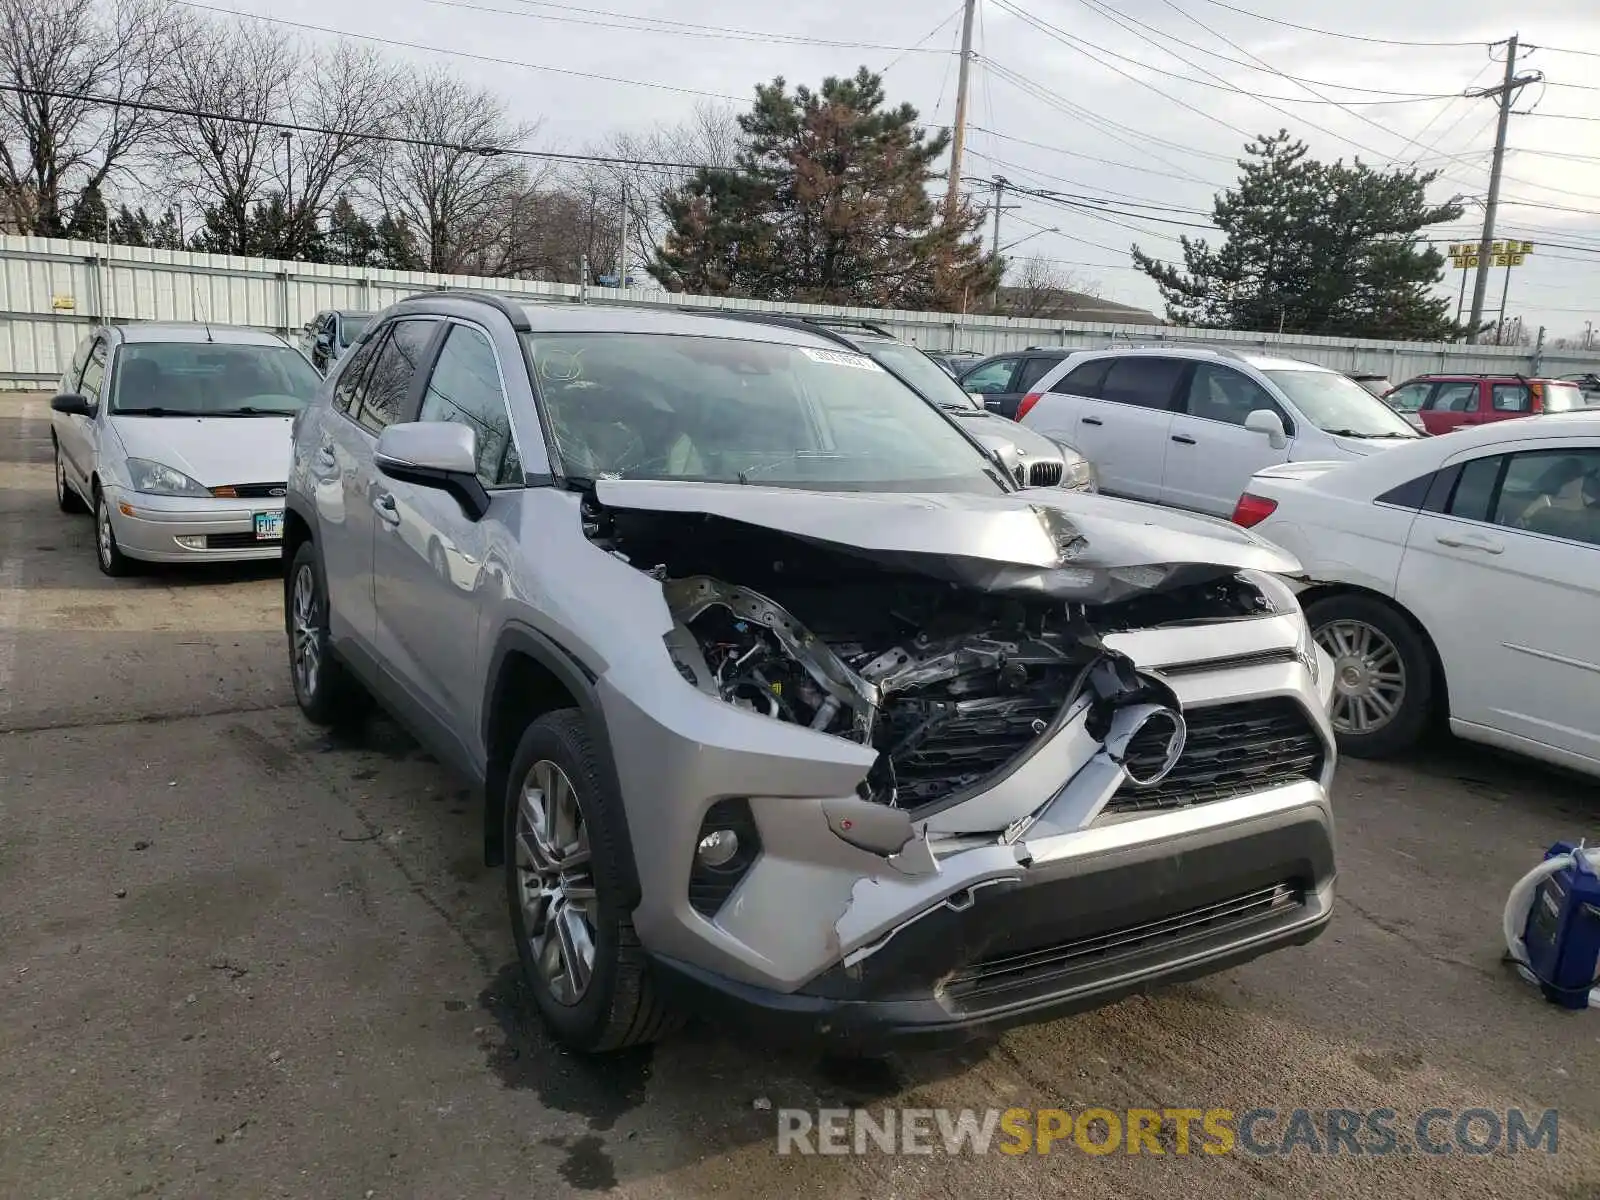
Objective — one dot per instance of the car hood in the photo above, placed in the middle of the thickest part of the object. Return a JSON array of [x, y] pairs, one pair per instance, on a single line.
[[211, 450], [1032, 445], [1039, 541]]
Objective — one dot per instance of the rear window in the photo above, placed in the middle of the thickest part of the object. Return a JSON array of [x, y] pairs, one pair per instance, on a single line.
[[1562, 397]]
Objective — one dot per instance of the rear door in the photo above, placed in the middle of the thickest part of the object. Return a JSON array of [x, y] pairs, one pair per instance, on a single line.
[[1452, 402], [1210, 454], [993, 381], [1507, 582], [1059, 412], [1124, 431]]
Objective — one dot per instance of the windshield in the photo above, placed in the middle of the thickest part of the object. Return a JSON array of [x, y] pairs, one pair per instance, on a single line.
[[350, 329], [922, 373], [651, 406], [1562, 397], [210, 379], [1339, 405]]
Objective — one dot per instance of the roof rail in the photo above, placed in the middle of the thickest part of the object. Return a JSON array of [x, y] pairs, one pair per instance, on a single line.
[[499, 300], [823, 328]]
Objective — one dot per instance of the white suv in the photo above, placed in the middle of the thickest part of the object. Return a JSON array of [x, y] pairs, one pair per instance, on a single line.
[[1189, 427]]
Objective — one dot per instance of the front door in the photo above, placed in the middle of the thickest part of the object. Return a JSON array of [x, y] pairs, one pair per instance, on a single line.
[[429, 558], [80, 436], [1210, 454], [992, 381]]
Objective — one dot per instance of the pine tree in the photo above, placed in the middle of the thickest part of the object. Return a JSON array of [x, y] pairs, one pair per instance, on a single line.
[[1322, 248]]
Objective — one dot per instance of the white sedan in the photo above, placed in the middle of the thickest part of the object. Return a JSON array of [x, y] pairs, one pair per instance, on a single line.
[[1456, 575]]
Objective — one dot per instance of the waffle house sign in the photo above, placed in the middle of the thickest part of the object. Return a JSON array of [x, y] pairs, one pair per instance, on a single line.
[[1465, 256]]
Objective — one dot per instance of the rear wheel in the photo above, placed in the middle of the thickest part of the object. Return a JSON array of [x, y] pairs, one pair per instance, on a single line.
[[323, 687], [581, 959], [1382, 674]]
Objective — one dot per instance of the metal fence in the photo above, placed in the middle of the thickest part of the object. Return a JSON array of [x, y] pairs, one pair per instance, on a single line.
[[52, 291]]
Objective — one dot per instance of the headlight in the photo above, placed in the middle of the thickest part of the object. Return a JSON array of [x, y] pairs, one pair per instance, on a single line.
[[1079, 474], [158, 479]]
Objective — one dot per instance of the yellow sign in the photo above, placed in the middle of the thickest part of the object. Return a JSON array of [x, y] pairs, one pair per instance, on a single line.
[[1464, 256], [63, 303]]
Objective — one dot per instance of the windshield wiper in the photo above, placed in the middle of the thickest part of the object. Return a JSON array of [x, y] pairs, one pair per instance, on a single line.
[[249, 411], [153, 411], [1356, 433]]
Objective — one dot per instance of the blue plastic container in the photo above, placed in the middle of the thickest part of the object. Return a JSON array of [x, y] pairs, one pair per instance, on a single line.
[[1562, 937]]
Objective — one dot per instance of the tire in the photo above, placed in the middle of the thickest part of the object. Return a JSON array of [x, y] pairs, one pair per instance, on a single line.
[[618, 1005], [323, 687], [67, 500], [107, 553], [437, 562], [1393, 663]]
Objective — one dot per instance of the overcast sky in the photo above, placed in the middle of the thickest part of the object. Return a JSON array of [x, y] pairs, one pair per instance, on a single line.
[[1076, 88]]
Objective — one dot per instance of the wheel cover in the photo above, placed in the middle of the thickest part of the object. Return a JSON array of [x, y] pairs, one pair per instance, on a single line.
[[105, 539], [306, 646], [555, 882], [1369, 676], [61, 478]]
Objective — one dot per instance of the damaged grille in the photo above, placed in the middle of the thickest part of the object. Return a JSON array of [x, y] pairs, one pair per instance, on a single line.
[[1055, 965], [1045, 474], [1232, 750]]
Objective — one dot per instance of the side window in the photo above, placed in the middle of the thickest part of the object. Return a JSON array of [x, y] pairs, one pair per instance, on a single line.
[[347, 392], [1475, 488], [393, 372], [1413, 493], [1510, 397], [1143, 382], [1553, 492], [1408, 398], [1084, 379], [1033, 370], [465, 388], [1223, 394], [1453, 397], [74, 371], [991, 377], [94, 373]]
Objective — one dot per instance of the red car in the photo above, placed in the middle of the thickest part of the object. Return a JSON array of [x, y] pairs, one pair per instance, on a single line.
[[1440, 403]]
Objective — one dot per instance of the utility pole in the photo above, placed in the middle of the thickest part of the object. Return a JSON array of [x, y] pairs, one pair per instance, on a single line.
[[999, 200], [622, 239], [1507, 93], [958, 137]]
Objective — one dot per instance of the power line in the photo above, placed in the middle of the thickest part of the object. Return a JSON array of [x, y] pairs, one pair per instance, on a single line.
[[1125, 199], [917, 46], [1349, 37], [1103, 161], [488, 58], [487, 151], [1565, 50]]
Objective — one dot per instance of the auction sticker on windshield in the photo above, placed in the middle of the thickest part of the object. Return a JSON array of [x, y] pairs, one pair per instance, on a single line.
[[840, 358], [269, 527]]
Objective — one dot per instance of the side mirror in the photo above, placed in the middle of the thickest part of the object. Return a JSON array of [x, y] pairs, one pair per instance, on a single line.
[[1264, 420], [323, 341], [1003, 451], [435, 454], [72, 404], [977, 398]]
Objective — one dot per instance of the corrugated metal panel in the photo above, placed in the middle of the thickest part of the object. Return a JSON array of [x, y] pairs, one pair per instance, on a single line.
[[51, 291]]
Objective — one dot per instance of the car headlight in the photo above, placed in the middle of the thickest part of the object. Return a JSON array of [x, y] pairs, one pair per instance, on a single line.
[[158, 479], [1079, 474]]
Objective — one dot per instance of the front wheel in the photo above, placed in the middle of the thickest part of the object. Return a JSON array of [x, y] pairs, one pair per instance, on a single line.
[[581, 959], [1382, 674], [323, 687], [67, 500], [107, 553]]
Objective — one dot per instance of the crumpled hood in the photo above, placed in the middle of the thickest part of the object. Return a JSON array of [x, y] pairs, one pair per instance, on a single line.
[[211, 450], [1040, 541]]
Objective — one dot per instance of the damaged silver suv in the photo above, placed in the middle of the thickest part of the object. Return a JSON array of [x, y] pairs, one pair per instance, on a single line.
[[781, 696]]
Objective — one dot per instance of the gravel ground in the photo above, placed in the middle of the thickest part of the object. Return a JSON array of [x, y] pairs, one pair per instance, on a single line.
[[240, 958]]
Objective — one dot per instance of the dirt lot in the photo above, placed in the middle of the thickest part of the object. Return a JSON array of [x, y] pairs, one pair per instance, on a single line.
[[241, 959]]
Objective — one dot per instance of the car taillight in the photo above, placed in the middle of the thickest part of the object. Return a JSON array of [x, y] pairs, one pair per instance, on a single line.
[[1252, 510], [1028, 402]]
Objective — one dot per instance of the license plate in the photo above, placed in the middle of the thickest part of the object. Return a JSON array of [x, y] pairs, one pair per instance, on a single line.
[[269, 527]]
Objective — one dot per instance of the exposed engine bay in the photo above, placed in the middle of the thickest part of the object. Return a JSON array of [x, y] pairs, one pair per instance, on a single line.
[[949, 683]]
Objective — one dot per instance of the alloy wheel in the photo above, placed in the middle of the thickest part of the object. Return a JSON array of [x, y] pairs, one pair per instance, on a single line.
[[555, 882], [61, 479], [105, 539], [307, 634], [1369, 676]]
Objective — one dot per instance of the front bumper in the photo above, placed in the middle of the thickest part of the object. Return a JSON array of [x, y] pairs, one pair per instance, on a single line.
[[1074, 932], [215, 530]]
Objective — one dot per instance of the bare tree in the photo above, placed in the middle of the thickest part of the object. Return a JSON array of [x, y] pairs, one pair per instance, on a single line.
[[342, 92], [78, 66], [456, 191], [1041, 288], [238, 75]]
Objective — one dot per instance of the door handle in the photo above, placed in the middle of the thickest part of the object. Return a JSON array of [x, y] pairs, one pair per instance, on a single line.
[[1093, 421], [1470, 543], [385, 507], [1183, 439]]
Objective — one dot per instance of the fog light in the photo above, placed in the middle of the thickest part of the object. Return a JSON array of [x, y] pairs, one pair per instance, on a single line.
[[191, 541], [718, 847]]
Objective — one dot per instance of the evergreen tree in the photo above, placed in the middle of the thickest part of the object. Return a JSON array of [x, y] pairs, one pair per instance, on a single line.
[[1319, 248], [828, 202]]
